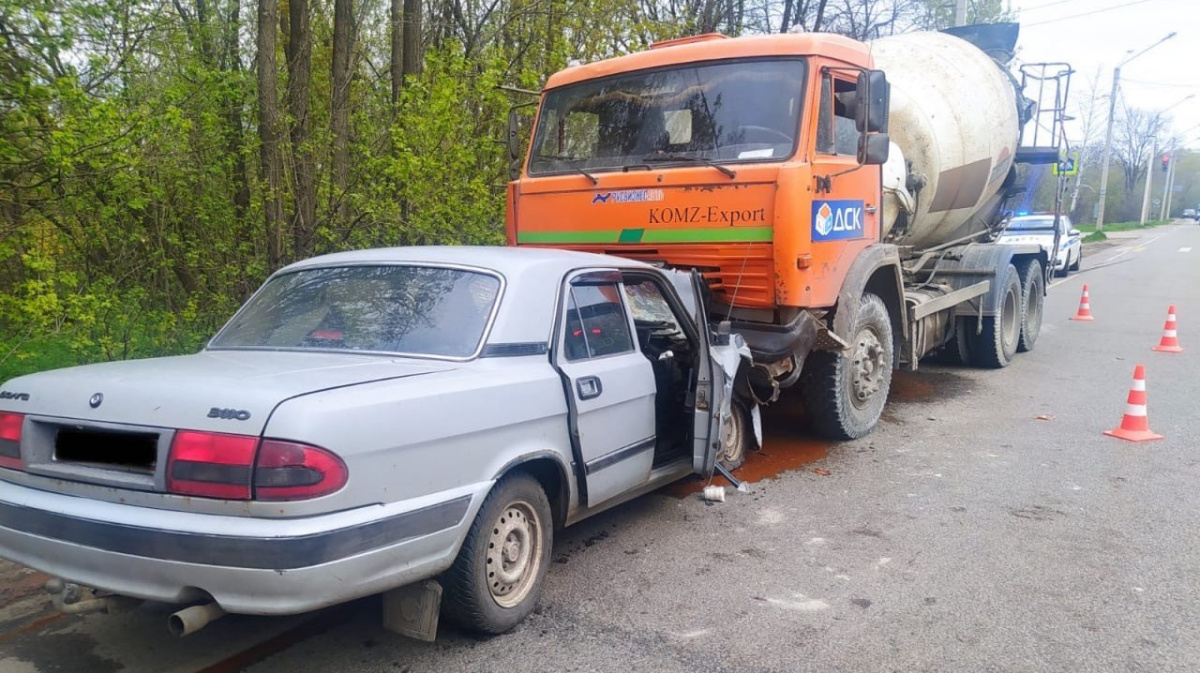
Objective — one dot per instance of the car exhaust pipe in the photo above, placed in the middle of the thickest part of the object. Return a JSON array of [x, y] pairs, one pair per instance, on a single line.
[[190, 620]]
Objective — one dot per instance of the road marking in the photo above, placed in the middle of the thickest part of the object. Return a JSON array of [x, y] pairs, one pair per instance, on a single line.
[[1138, 246], [1185, 250]]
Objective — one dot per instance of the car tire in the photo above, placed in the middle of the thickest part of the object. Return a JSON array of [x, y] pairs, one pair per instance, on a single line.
[[1033, 296], [1078, 260], [498, 575], [737, 440], [844, 394], [997, 344]]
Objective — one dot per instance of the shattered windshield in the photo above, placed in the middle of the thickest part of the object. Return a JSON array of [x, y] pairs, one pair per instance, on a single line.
[[415, 310], [732, 111]]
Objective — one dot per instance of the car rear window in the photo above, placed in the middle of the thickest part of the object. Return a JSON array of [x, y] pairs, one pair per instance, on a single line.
[[412, 310]]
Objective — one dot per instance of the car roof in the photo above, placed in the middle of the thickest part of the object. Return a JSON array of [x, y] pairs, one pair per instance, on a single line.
[[506, 260], [532, 278]]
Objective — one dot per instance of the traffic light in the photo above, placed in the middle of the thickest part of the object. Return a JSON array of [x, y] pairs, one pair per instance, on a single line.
[[1166, 162]]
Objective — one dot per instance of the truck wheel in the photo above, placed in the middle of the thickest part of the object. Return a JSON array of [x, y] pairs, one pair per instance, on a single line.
[[1033, 285], [844, 393], [997, 345], [735, 438], [497, 577]]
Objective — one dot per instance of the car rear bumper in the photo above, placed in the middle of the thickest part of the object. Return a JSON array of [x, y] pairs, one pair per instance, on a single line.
[[249, 566]]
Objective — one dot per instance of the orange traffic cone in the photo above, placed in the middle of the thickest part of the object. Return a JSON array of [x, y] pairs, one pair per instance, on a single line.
[[1170, 339], [1135, 426], [1085, 307]]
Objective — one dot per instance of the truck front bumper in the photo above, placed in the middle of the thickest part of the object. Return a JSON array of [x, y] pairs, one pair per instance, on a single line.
[[248, 566]]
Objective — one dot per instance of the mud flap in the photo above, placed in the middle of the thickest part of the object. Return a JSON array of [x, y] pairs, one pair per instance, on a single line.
[[412, 610]]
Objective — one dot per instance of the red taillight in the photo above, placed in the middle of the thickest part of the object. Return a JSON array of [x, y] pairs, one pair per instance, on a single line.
[[211, 465], [10, 440], [291, 471]]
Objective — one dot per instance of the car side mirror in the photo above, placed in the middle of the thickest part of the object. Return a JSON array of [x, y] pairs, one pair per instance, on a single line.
[[1073, 232], [871, 109], [873, 149]]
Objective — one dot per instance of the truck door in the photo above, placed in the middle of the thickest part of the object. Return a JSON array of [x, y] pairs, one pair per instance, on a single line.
[[610, 387]]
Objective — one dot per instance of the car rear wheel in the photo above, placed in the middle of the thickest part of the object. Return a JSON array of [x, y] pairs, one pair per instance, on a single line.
[[497, 578]]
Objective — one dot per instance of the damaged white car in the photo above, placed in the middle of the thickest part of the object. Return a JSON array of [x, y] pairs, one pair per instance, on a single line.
[[369, 421]]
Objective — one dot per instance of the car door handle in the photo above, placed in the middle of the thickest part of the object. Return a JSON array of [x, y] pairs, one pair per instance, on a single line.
[[589, 387]]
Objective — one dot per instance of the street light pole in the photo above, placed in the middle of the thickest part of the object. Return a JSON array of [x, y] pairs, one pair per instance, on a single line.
[[1164, 210], [1112, 117], [1112, 109]]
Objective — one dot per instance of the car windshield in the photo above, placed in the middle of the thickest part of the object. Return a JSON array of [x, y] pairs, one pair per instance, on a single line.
[[1028, 223], [720, 112], [413, 310]]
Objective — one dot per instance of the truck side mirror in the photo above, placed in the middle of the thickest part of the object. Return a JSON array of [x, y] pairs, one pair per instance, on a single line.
[[514, 135], [873, 149], [871, 112]]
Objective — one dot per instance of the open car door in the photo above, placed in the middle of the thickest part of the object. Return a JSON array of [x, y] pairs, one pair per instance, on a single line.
[[712, 387]]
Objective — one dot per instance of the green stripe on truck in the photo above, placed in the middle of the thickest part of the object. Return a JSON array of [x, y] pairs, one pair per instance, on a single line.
[[707, 235]]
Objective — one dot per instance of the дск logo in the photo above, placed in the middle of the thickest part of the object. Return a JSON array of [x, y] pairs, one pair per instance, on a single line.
[[629, 196], [837, 220]]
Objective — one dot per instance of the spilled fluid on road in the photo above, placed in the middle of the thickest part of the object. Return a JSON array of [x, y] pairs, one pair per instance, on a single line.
[[787, 445]]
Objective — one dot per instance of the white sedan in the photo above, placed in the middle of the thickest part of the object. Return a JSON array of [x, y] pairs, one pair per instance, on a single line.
[[1039, 229]]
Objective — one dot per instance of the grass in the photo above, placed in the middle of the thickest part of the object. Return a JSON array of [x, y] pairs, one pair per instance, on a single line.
[[1095, 237], [1117, 226]]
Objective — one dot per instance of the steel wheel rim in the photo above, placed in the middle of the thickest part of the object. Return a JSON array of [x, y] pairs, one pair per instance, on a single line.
[[866, 368], [514, 554], [731, 438], [1009, 322], [1033, 309]]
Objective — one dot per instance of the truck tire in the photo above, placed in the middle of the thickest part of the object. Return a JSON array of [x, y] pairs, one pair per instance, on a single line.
[[498, 575], [844, 393], [996, 346], [1033, 297]]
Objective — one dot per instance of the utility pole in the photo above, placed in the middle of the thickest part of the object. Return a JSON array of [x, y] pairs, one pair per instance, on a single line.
[[1112, 110], [1149, 179], [1165, 213], [960, 13]]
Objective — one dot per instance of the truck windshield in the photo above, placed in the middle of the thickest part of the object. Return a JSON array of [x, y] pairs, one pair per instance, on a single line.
[[413, 310], [728, 111]]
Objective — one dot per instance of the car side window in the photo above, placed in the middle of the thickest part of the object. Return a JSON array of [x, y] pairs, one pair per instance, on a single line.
[[596, 324]]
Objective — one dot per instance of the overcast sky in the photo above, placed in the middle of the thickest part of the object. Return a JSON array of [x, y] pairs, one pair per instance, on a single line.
[[1097, 34]]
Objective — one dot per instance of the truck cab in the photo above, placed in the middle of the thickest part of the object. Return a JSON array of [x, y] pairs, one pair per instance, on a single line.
[[709, 146]]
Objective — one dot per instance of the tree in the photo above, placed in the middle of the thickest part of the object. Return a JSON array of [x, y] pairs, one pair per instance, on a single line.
[[339, 106], [269, 129], [1134, 141]]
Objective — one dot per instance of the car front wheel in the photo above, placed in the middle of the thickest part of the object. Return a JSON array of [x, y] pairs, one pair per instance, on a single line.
[[497, 578]]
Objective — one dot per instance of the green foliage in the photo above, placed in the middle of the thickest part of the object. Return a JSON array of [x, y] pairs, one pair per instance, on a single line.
[[1095, 237]]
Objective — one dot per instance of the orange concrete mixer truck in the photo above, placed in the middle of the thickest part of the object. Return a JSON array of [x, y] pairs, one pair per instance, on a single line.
[[840, 198]]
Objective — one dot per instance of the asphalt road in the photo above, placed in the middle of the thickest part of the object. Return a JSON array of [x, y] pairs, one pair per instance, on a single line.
[[987, 525]]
